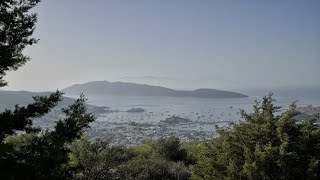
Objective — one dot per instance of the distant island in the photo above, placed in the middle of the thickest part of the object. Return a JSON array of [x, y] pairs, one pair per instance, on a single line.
[[175, 120], [133, 89], [134, 110]]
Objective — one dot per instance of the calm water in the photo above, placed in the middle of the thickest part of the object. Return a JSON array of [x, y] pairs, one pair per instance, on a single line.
[[195, 109], [206, 115]]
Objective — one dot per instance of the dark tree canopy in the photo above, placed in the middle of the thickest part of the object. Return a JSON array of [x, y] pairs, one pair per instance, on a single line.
[[16, 27], [45, 155], [267, 145], [21, 117], [33, 153]]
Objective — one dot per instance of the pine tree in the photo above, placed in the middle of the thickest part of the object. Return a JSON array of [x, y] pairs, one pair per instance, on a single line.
[[267, 145], [35, 153], [16, 27]]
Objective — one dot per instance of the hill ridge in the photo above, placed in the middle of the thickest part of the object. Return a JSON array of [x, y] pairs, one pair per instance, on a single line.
[[135, 89]]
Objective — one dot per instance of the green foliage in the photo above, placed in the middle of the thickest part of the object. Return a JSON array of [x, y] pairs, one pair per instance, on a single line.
[[162, 159], [167, 148], [145, 150], [16, 27], [179, 171], [97, 159], [21, 117], [170, 149], [145, 169], [34, 154], [265, 146], [44, 155], [155, 168]]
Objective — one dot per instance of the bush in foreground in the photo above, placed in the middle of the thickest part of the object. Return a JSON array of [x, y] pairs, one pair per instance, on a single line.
[[264, 146]]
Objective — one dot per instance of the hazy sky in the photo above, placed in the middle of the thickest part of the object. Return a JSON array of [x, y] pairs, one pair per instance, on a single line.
[[181, 44]]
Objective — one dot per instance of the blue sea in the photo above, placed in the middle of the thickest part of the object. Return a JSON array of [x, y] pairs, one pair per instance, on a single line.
[[206, 115], [196, 109]]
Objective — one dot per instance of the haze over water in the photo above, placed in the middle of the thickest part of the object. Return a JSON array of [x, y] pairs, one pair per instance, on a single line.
[[206, 110]]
